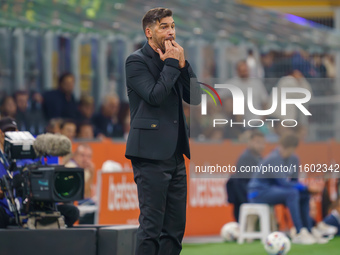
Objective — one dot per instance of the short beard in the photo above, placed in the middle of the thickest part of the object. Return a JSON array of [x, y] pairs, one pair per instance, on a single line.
[[161, 45]]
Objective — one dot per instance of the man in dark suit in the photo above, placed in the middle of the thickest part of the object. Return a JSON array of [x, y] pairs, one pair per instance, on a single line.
[[60, 103], [158, 79]]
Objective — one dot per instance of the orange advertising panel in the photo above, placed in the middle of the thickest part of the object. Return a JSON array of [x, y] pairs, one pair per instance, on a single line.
[[207, 208], [118, 200]]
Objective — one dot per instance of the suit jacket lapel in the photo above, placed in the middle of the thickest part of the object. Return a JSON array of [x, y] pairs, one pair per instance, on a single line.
[[147, 50]]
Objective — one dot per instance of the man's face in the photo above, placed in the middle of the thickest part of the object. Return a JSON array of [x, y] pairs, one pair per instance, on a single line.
[[83, 157], [22, 102], [287, 152], [257, 144], [111, 107], [10, 107], [67, 84], [87, 110], [69, 130], [162, 31], [242, 70], [86, 132]]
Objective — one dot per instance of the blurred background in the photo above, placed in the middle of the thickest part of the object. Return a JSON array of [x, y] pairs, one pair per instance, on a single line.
[[79, 47], [40, 40]]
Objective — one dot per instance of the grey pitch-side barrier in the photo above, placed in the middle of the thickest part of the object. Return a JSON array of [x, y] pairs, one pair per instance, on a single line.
[[98, 240]]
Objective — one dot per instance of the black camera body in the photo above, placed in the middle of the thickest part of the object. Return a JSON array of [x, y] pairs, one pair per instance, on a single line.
[[55, 183], [39, 186]]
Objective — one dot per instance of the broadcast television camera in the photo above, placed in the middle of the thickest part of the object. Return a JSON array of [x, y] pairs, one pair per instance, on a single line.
[[36, 185]]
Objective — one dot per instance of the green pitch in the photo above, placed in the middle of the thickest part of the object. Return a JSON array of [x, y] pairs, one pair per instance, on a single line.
[[256, 248]]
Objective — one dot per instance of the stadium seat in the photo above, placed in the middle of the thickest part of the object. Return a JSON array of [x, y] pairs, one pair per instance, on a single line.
[[266, 216]]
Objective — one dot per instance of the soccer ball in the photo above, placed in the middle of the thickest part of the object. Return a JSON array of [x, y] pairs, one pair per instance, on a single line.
[[277, 243], [230, 231]]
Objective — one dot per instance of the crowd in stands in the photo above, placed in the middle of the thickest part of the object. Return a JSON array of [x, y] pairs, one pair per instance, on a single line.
[[271, 70], [58, 111]]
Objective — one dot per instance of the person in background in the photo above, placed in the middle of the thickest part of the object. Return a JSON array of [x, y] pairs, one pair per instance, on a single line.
[[333, 219], [68, 128], [22, 116], [60, 103], [8, 107], [85, 108], [244, 81], [237, 184], [106, 121], [319, 66], [82, 157], [28, 120], [254, 66], [53, 126], [276, 187], [294, 79], [321, 228], [300, 60], [124, 118], [85, 130], [330, 66], [36, 101]]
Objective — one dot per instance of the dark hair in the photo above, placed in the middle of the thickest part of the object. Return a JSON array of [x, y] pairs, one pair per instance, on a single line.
[[63, 76], [52, 124], [84, 124], [289, 141], [20, 93], [256, 134], [67, 121], [86, 100], [154, 15]]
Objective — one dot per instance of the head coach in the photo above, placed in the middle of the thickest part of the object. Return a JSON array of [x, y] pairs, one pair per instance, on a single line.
[[158, 79]]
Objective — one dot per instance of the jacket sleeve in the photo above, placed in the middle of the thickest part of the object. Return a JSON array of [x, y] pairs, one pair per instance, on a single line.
[[191, 89], [141, 81]]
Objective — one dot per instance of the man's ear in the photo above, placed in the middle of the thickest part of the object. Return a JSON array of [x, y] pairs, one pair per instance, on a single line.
[[148, 32]]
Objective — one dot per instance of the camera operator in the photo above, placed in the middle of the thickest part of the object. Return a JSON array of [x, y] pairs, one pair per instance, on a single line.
[[70, 212]]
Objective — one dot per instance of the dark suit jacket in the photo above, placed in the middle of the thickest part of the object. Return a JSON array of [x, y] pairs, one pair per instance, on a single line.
[[156, 109], [106, 127], [55, 105]]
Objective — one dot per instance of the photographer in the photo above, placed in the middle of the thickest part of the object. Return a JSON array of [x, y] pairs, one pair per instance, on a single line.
[[6, 124], [70, 212]]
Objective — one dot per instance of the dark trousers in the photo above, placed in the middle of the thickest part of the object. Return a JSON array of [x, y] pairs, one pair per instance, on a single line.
[[4, 218], [162, 194], [70, 213], [297, 203], [237, 194]]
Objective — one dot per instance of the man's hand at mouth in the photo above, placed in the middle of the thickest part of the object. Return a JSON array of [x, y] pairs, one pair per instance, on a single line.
[[181, 51], [170, 51]]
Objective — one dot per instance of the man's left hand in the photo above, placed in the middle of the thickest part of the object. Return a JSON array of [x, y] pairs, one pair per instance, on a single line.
[[181, 56]]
